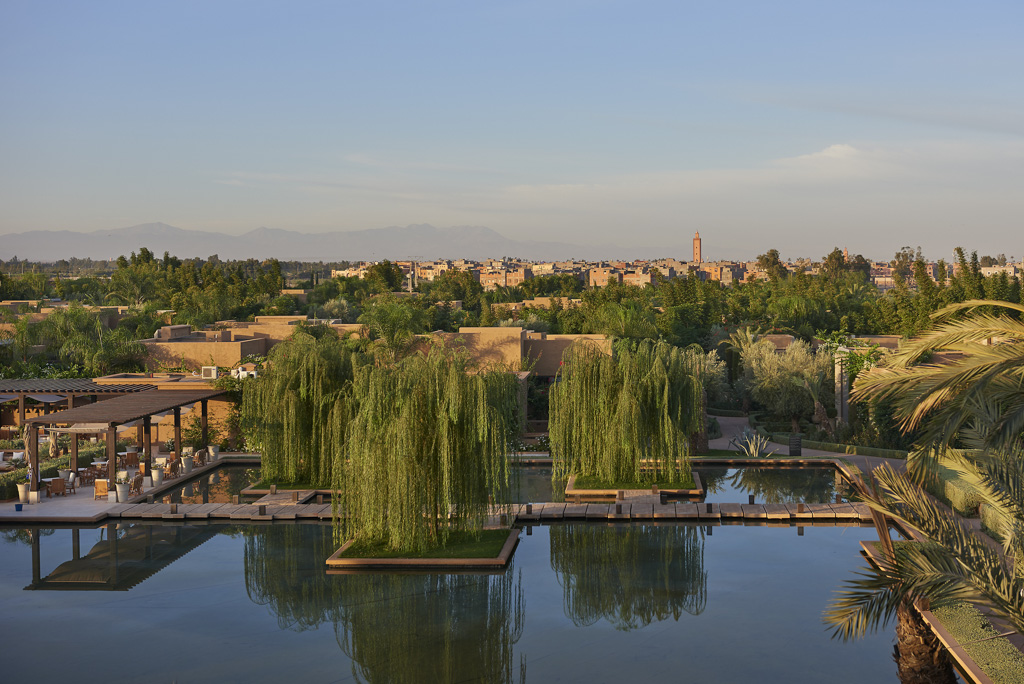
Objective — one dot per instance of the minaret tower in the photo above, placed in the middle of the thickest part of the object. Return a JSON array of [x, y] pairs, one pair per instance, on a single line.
[[696, 249]]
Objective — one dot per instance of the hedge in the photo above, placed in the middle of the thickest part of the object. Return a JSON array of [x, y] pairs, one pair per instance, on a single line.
[[956, 494], [996, 656], [855, 449], [726, 413]]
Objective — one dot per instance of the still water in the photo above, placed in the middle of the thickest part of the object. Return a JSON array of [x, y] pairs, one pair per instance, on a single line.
[[534, 484], [580, 602]]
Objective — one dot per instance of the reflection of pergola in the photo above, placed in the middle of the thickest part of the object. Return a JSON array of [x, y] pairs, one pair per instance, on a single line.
[[121, 561], [107, 416]]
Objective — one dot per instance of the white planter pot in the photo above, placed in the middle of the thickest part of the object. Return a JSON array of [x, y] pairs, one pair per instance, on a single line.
[[187, 463], [214, 452], [23, 492], [112, 495], [158, 476], [122, 492]]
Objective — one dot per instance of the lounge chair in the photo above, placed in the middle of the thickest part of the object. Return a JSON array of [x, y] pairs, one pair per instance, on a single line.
[[101, 489]]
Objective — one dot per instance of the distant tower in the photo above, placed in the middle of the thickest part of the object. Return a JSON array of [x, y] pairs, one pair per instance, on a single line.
[[846, 254], [696, 248]]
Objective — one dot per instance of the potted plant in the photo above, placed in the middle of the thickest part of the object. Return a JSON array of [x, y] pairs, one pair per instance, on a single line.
[[157, 473], [23, 492], [122, 484]]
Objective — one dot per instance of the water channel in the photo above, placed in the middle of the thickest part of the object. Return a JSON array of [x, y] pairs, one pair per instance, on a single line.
[[580, 602]]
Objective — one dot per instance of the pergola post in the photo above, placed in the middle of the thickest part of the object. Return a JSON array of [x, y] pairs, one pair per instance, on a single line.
[[177, 432], [206, 424], [111, 457], [147, 442], [32, 437], [74, 439], [21, 411]]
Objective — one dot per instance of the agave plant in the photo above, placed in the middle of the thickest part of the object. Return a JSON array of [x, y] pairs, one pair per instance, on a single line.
[[752, 445]]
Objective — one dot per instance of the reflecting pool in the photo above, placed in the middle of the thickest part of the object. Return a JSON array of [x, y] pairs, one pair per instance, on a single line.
[[580, 602], [773, 485], [217, 486], [804, 484]]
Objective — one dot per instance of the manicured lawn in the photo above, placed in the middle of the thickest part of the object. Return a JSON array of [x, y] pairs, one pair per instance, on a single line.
[[460, 545], [592, 482]]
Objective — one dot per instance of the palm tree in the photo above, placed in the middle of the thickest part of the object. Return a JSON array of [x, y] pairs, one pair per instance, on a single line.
[[942, 398], [814, 383], [627, 320], [976, 398], [956, 564]]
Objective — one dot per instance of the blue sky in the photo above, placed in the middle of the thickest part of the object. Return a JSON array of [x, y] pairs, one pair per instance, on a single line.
[[794, 125]]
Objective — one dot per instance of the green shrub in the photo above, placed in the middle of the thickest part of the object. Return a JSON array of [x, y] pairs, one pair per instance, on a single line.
[[956, 494], [725, 413], [963, 499], [995, 655], [856, 449]]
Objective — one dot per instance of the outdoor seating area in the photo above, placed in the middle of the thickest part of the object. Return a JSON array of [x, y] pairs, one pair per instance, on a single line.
[[8, 459]]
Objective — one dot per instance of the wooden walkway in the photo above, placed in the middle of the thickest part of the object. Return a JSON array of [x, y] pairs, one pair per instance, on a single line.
[[767, 514]]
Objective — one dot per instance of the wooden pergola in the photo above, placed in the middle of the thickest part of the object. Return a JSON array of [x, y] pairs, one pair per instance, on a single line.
[[68, 391], [107, 416]]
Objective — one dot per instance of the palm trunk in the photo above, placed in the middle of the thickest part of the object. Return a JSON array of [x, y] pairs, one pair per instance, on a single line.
[[822, 419], [920, 658]]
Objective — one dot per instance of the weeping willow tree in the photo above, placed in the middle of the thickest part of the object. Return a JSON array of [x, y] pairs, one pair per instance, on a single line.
[[427, 450], [431, 628], [630, 575], [297, 411], [627, 417], [284, 571]]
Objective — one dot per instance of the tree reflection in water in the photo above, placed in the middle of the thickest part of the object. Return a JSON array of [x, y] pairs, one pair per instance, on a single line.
[[630, 575], [431, 627], [285, 571], [394, 627], [777, 485]]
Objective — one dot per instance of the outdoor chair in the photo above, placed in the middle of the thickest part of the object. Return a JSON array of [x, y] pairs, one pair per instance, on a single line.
[[200, 458], [88, 475], [171, 471], [57, 486], [136, 486], [70, 483], [132, 459], [101, 489]]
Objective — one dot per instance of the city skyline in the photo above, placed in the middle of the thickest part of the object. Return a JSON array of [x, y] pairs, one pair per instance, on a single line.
[[797, 127]]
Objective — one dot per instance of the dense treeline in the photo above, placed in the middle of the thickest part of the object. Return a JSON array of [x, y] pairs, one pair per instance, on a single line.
[[680, 311]]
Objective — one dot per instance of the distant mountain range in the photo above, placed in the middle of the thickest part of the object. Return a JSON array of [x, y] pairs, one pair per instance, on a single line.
[[419, 242]]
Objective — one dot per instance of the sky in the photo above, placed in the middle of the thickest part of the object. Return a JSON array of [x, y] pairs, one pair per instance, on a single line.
[[799, 126]]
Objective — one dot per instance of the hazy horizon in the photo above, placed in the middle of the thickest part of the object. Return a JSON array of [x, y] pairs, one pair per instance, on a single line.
[[798, 126]]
